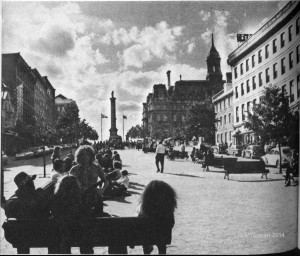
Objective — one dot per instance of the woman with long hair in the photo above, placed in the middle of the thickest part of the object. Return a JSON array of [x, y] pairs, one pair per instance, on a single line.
[[67, 210], [158, 201]]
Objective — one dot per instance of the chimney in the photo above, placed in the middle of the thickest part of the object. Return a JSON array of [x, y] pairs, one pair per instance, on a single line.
[[169, 78]]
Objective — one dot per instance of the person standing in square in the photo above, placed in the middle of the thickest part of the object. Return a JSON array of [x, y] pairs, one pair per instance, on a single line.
[[160, 156]]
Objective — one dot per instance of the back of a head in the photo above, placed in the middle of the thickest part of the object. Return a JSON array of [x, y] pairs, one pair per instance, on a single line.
[[67, 187], [58, 164], [68, 164], [117, 165], [159, 199]]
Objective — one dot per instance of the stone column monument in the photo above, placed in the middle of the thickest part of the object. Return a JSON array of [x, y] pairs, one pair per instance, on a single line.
[[113, 137]]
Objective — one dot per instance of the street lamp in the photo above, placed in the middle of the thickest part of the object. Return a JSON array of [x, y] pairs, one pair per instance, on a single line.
[[4, 93]]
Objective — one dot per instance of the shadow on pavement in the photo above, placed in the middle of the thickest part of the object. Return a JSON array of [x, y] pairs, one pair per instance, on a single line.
[[133, 192], [185, 175], [134, 187], [137, 184], [216, 171]]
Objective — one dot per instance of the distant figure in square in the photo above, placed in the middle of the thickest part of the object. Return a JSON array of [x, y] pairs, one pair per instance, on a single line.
[[160, 156], [56, 153]]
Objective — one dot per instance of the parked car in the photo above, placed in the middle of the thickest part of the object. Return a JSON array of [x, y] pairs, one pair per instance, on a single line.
[[4, 158], [272, 158], [235, 150], [253, 151]]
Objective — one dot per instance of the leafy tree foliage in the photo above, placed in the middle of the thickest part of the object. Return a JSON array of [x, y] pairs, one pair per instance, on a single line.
[[271, 119], [136, 132], [201, 121]]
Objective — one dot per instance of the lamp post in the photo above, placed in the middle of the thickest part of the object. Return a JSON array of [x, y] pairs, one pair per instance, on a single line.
[[4, 94]]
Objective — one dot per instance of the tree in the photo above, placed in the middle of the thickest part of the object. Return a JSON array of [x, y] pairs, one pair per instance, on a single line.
[[136, 132], [160, 131], [67, 124], [201, 121], [271, 119]]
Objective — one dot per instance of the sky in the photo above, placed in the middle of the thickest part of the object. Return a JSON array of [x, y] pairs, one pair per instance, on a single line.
[[89, 49]]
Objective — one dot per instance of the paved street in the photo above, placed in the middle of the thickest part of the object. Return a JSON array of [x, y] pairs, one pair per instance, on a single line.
[[245, 215]]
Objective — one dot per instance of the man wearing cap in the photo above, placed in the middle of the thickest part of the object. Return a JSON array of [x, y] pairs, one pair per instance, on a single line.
[[27, 202]]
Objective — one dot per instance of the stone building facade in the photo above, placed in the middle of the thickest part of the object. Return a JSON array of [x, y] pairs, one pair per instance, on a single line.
[[165, 109], [269, 56], [223, 105], [20, 81]]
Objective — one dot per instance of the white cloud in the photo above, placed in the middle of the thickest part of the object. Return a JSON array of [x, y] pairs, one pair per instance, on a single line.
[[191, 47], [152, 42], [206, 36], [204, 15]]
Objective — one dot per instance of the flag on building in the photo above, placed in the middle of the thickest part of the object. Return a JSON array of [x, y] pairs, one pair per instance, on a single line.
[[103, 116], [124, 117]]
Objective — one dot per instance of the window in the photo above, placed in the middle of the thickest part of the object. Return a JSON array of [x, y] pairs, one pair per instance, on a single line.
[[247, 65], [274, 46], [222, 137], [230, 136], [235, 72], [237, 114], [158, 117], [242, 71], [253, 61], [229, 102], [242, 89], [248, 106], [260, 79], [267, 51], [229, 118], [282, 39], [291, 60], [283, 89], [259, 56], [174, 118], [298, 86], [248, 85], [291, 91], [225, 120], [225, 136], [243, 112], [298, 53], [217, 137], [267, 76], [253, 83], [220, 121], [275, 71], [236, 92], [254, 102], [282, 66], [297, 26], [290, 33]]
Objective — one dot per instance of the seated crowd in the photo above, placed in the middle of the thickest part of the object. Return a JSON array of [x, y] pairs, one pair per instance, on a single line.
[[76, 196]]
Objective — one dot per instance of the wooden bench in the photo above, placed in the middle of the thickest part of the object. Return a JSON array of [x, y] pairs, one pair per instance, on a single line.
[[245, 167], [116, 232]]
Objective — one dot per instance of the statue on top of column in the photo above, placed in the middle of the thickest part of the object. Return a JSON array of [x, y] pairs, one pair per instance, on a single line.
[[112, 94]]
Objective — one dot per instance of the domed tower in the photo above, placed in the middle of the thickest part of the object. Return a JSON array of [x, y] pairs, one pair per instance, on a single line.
[[213, 60]]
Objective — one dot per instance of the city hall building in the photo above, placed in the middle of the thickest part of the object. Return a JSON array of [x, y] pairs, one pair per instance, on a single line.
[[271, 56], [165, 109]]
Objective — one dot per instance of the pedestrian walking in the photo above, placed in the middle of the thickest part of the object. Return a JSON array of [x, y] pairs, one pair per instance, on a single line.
[[160, 156]]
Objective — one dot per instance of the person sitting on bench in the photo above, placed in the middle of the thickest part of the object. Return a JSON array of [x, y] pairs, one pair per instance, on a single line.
[[120, 186], [158, 201], [27, 202], [58, 169], [67, 211]]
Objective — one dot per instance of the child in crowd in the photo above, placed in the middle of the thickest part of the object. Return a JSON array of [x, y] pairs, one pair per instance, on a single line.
[[58, 169], [56, 154]]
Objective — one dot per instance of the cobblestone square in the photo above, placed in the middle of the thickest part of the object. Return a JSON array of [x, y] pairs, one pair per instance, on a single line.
[[245, 215]]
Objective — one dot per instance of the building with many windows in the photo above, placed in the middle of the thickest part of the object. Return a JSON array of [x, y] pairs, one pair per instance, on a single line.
[[17, 76], [270, 56], [166, 108], [44, 104], [61, 102], [222, 102]]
